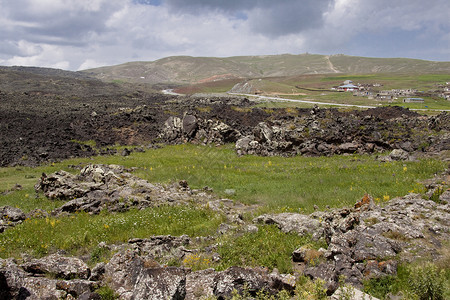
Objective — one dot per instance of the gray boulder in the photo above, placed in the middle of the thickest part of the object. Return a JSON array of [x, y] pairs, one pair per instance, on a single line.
[[10, 217], [172, 128], [350, 293], [13, 214], [16, 283], [237, 278], [189, 125], [59, 266], [349, 147], [200, 284], [98, 187], [292, 222], [160, 283]]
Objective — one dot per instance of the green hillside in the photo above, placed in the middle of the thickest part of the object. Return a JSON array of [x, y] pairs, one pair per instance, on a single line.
[[188, 70]]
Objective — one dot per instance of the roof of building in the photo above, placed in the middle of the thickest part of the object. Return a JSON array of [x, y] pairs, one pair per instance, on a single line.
[[348, 86]]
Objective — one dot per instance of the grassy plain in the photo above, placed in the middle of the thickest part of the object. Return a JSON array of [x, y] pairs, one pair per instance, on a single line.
[[275, 184]]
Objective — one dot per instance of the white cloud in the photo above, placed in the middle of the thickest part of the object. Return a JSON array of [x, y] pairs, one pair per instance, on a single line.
[[90, 64], [38, 55], [87, 33]]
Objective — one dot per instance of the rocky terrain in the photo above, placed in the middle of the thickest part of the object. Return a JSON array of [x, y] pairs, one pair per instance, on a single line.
[[46, 117], [38, 127]]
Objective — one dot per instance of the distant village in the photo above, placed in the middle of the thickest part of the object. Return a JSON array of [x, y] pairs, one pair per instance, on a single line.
[[373, 91]]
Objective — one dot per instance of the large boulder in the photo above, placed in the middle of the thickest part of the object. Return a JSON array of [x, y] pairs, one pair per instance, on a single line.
[[197, 130], [172, 128], [58, 266], [189, 125], [160, 283], [293, 222], [17, 283], [237, 278], [13, 214]]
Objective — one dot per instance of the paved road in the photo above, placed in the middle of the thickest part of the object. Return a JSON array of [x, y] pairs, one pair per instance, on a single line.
[[323, 103], [301, 101], [170, 92]]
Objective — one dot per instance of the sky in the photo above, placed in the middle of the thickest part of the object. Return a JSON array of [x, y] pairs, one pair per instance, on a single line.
[[82, 34]]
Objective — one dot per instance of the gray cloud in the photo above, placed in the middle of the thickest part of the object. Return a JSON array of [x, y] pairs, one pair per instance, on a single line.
[[266, 17], [58, 22], [74, 33]]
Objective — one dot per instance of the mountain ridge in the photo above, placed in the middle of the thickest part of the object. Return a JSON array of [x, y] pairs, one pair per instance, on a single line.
[[189, 69]]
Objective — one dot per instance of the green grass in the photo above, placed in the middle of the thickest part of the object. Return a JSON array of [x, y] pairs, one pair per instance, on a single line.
[[81, 233], [415, 281], [269, 247], [276, 183]]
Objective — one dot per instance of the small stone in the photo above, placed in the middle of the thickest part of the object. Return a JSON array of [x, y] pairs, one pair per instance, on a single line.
[[230, 192]]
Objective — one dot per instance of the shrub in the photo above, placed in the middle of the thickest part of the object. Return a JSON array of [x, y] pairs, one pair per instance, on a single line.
[[106, 293], [427, 282], [309, 289], [379, 287]]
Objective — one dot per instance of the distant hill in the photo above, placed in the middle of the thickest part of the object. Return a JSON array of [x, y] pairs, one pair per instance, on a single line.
[[47, 81], [46, 72], [189, 70]]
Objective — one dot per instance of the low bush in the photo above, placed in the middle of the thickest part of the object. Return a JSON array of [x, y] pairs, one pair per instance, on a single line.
[[428, 282]]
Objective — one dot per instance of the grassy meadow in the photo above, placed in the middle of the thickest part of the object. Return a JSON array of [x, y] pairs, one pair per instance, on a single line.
[[274, 184]]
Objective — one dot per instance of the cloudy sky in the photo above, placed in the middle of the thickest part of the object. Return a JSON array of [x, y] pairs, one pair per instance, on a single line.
[[80, 34]]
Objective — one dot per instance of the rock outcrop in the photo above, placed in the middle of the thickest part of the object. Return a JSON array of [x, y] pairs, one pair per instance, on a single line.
[[314, 132], [366, 241], [111, 187], [326, 132], [27, 281], [133, 277], [197, 130]]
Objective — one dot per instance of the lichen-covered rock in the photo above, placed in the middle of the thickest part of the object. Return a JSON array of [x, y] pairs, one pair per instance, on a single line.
[[111, 187], [59, 266], [363, 241], [133, 274], [10, 217], [200, 284], [122, 270], [351, 293], [76, 287], [326, 132], [160, 283], [197, 130], [13, 214], [163, 248], [292, 222], [17, 283], [237, 278]]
